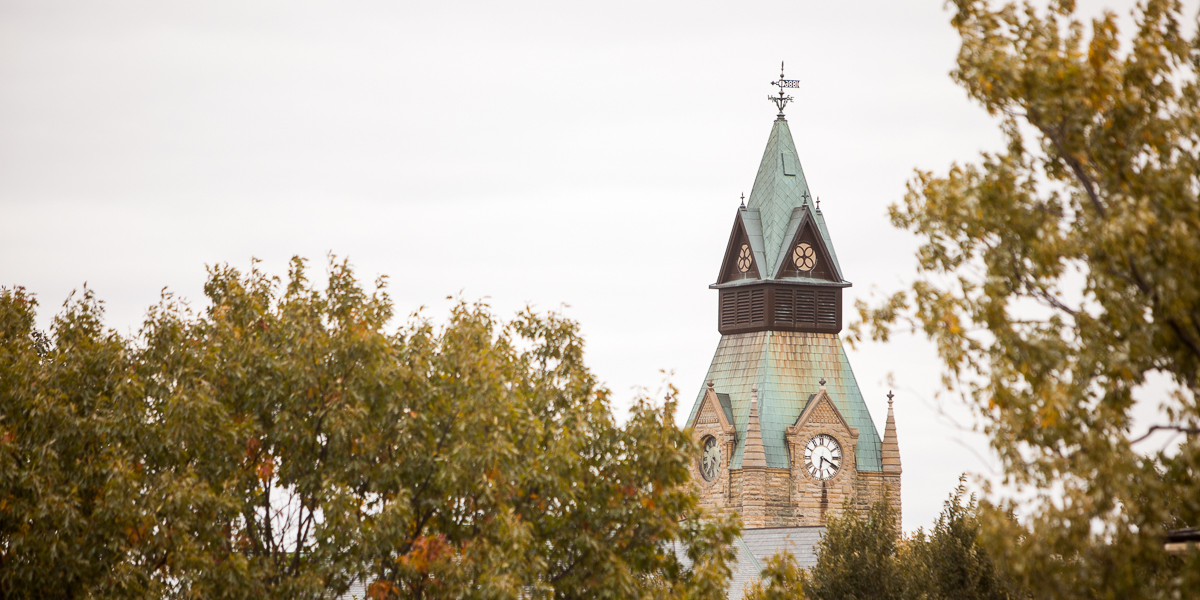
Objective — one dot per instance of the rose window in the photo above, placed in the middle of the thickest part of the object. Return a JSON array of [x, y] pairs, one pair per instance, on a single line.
[[805, 257], [744, 259]]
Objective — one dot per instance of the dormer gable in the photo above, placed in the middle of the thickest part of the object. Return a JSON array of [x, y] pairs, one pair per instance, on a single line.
[[715, 411], [822, 417], [821, 410], [806, 256], [744, 259]]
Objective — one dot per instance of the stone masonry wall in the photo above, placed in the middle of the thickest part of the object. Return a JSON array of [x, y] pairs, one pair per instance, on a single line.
[[761, 497], [874, 486]]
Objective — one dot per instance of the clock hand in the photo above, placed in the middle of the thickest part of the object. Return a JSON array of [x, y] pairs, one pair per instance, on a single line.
[[823, 459]]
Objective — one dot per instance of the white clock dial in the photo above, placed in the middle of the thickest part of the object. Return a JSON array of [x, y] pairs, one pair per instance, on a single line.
[[823, 456], [710, 460]]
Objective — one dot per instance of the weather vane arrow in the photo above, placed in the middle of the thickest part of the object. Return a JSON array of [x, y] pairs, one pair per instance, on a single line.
[[781, 100]]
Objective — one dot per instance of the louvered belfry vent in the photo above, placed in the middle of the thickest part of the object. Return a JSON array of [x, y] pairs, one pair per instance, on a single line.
[[781, 307], [827, 308], [785, 309], [728, 311], [742, 308]]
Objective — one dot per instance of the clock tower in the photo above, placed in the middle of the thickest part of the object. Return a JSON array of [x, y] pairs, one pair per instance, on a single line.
[[785, 433]]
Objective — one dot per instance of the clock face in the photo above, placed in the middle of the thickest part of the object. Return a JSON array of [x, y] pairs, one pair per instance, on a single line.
[[823, 456], [745, 259], [805, 257], [710, 461]]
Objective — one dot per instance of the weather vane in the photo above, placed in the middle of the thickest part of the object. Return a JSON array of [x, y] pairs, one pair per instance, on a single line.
[[781, 100]]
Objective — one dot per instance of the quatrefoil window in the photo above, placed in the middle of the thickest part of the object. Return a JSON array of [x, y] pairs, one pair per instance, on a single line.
[[805, 257], [745, 259]]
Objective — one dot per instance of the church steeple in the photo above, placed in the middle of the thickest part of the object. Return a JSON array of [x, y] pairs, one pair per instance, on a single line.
[[793, 420]]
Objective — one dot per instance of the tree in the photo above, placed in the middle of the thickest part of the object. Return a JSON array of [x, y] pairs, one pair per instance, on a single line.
[[76, 501], [856, 558], [948, 562], [283, 442], [1056, 276], [861, 558], [781, 579]]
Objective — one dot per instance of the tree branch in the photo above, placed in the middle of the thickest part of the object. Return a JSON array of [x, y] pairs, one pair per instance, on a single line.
[[1144, 286], [1055, 302], [1179, 428], [1076, 167]]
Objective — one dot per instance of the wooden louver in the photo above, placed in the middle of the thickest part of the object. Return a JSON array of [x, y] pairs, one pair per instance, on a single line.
[[743, 307]]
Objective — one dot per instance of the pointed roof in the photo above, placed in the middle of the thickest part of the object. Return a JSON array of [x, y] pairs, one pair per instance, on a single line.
[[747, 220], [891, 447], [753, 454], [779, 189]]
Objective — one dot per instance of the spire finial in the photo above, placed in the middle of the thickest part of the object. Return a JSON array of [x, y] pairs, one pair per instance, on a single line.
[[889, 399], [781, 100], [818, 204], [743, 199], [710, 384], [822, 382]]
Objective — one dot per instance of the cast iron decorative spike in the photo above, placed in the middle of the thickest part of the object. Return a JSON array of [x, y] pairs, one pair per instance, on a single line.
[[889, 398], [743, 199], [818, 204], [781, 100], [822, 382]]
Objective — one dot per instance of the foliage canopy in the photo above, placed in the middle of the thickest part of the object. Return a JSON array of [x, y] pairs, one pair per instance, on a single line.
[[1059, 275], [282, 443], [864, 556]]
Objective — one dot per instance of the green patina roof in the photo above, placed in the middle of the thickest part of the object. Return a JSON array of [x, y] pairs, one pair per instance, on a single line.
[[786, 367], [726, 406], [754, 234], [776, 194]]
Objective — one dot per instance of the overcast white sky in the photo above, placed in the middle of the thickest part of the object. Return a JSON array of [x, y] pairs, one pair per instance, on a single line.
[[544, 153]]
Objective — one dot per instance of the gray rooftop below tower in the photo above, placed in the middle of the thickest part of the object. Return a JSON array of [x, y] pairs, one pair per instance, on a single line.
[[756, 546]]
